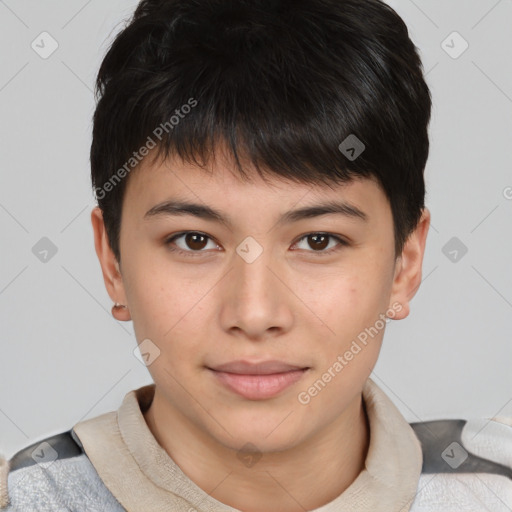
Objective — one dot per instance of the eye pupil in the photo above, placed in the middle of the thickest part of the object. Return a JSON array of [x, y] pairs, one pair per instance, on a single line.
[[191, 240], [320, 241]]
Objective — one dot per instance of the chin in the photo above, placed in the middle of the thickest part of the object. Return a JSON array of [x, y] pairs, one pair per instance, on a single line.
[[263, 438]]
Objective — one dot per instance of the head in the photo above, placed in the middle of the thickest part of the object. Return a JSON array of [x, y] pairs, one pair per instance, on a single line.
[[246, 109]]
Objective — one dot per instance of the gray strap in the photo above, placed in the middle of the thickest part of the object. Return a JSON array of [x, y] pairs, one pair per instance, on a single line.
[[436, 436], [64, 445]]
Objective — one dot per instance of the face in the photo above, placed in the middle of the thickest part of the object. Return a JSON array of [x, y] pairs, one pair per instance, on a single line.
[[253, 283]]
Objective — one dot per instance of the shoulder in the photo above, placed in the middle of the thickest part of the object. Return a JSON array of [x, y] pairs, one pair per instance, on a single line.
[[53, 474], [466, 463]]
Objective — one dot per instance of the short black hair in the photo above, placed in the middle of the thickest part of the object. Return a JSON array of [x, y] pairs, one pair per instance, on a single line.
[[281, 83]]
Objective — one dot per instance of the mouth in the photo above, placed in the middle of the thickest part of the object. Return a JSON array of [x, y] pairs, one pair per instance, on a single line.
[[257, 381]]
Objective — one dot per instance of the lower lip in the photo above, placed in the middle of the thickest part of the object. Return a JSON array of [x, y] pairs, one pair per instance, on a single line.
[[259, 387]]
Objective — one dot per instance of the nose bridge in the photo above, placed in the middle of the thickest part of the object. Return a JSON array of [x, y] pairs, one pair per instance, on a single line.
[[253, 277], [255, 302]]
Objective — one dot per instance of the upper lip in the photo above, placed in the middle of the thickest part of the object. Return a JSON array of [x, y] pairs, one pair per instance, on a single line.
[[263, 368]]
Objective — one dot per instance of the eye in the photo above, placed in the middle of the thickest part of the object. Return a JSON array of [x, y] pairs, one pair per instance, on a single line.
[[320, 241], [191, 243]]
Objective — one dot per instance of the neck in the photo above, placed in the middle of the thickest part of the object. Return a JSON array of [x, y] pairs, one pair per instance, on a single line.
[[305, 477]]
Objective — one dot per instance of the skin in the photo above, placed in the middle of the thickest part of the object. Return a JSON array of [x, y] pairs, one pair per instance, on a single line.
[[291, 304]]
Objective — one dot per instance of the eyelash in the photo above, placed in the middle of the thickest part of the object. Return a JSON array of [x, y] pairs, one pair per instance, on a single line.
[[341, 243]]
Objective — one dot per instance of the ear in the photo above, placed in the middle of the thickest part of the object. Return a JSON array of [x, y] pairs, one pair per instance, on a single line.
[[407, 278], [109, 266]]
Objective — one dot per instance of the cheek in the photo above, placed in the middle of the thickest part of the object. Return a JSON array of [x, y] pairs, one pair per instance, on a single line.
[[169, 309], [153, 297], [348, 355], [352, 302], [351, 306]]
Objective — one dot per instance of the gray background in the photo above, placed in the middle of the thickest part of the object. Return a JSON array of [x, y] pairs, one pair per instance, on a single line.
[[64, 358]]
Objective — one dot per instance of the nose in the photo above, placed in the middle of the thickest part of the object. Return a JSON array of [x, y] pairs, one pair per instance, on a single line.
[[257, 303]]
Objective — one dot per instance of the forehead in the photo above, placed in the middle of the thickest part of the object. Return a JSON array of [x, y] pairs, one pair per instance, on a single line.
[[221, 180]]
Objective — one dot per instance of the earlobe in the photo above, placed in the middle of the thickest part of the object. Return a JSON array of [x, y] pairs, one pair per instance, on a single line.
[[109, 267], [408, 272], [121, 312]]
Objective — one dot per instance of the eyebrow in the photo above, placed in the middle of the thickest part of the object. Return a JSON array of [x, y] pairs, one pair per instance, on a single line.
[[177, 207]]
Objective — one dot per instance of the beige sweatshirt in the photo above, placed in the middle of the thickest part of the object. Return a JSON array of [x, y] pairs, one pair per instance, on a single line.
[[150, 480], [112, 463]]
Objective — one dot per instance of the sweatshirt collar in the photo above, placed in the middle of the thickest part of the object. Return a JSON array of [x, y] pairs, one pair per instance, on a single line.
[[142, 476]]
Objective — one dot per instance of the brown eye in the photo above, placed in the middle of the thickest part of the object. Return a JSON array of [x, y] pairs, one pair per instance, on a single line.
[[195, 241], [318, 241], [190, 243]]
